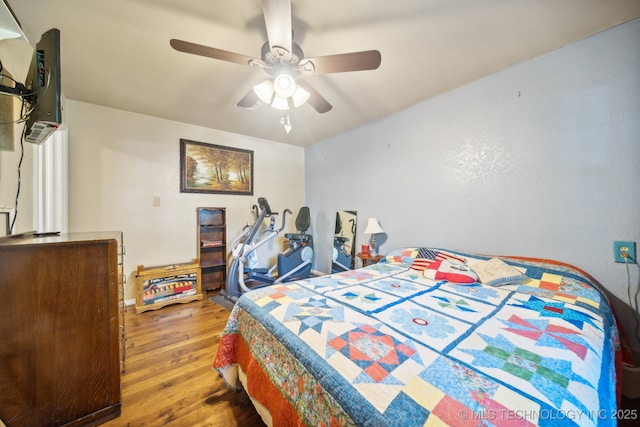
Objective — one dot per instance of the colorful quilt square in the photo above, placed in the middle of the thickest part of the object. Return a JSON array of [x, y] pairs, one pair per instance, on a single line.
[[434, 329], [476, 291], [455, 305], [363, 298]]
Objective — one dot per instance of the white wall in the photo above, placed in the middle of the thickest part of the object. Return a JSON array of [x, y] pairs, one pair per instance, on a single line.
[[120, 161], [16, 57], [540, 160]]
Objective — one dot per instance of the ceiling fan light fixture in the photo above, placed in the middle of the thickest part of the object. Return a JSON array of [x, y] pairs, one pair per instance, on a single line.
[[267, 94], [300, 96], [284, 85], [265, 91], [284, 61], [280, 103]]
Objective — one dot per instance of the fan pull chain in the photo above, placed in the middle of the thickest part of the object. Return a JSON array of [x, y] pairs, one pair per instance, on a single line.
[[285, 120]]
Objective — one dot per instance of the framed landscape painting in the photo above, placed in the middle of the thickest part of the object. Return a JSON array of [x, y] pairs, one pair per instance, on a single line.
[[210, 168]]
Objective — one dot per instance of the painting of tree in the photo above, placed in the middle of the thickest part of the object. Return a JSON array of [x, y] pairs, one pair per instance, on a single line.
[[210, 168]]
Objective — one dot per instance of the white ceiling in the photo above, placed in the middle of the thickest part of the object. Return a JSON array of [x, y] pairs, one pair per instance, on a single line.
[[116, 53]]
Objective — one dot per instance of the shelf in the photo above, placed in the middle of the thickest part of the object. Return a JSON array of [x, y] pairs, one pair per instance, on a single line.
[[212, 265], [212, 246]]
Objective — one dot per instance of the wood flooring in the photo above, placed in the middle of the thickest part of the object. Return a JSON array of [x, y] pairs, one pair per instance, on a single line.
[[168, 380]]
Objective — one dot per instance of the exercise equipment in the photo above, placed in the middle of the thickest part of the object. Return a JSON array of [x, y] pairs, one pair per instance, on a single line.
[[243, 249], [296, 262], [293, 264]]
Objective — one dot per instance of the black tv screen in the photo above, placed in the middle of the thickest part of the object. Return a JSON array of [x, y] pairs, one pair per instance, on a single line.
[[44, 89]]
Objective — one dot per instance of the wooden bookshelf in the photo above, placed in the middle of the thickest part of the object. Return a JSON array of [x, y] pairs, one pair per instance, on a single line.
[[212, 247]]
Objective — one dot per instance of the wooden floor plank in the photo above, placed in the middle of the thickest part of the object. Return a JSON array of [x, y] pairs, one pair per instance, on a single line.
[[168, 378]]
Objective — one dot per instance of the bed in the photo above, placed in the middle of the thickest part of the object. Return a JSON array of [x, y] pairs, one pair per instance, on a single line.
[[390, 345]]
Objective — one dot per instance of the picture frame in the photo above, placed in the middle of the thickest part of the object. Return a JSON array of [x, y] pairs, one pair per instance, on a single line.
[[215, 169]]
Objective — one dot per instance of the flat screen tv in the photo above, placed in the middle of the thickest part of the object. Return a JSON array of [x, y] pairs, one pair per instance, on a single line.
[[43, 89]]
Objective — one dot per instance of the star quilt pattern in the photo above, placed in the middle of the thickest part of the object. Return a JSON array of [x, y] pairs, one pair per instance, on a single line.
[[385, 346]]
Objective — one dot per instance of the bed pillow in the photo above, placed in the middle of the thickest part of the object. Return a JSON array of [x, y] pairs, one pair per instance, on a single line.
[[439, 254], [450, 271], [401, 256], [495, 272], [419, 258]]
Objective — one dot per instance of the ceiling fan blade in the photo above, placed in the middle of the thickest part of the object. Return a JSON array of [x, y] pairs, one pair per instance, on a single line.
[[212, 52], [249, 100], [316, 100], [340, 63], [277, 18]]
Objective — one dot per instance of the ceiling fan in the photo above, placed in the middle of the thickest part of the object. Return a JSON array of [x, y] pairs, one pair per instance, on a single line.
[[284, 61]]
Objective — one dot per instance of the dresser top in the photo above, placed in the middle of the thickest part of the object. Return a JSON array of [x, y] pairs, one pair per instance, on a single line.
[[31, 238]]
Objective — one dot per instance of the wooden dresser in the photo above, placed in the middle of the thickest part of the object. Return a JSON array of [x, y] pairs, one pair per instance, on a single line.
[[60, 329]]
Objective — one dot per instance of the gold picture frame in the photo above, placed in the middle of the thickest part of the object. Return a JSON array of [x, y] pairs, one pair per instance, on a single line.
[[215, 169]]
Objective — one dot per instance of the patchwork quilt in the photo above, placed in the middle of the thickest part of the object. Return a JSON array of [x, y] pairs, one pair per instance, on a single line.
[[386, 346]]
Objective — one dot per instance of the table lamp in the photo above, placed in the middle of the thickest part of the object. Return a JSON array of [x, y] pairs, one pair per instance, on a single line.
[[373, 228]]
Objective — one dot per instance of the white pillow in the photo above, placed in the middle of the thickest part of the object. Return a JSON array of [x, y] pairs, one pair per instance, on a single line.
[[495, 272]]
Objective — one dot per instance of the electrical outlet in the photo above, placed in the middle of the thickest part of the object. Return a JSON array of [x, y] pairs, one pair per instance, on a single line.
[[620, 248]]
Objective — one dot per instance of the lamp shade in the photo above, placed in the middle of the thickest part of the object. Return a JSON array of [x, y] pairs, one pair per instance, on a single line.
[[373, 227]]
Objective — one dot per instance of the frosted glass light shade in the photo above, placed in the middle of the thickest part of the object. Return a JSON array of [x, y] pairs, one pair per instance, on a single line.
[[265, 91], [280, 103], [284, 85], [300, 96], [281, 93]]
